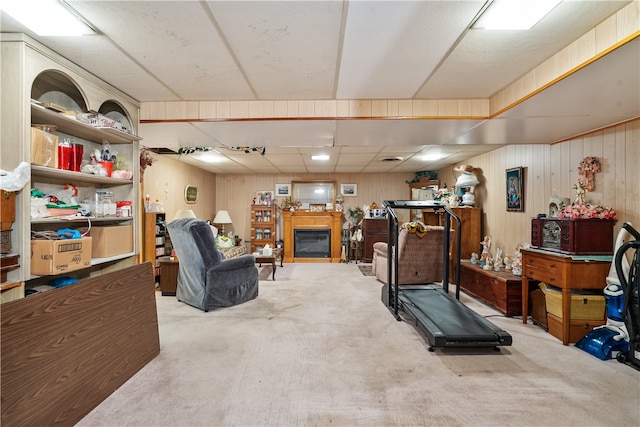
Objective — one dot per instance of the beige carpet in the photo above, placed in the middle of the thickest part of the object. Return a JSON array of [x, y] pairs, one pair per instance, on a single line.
[[318, 348]]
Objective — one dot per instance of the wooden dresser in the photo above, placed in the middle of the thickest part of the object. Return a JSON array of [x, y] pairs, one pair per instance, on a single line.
[[373, 230]]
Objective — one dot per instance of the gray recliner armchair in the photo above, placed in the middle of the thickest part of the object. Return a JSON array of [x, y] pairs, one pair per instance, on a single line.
[[206, 279]]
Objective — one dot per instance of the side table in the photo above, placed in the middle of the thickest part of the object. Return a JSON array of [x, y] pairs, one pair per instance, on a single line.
[[566, 272], [168, 276], [271, 259]]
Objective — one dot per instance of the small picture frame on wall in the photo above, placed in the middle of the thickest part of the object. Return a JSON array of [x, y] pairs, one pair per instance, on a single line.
[[191, 194], [349, 190], [283, 190], [515, 189]]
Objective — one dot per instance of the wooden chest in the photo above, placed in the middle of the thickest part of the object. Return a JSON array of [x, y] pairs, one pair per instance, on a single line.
[[578, 328], [573, 236], [500, 289]]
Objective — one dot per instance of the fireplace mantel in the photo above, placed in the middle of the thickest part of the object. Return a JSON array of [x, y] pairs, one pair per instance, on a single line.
[[312, 220]]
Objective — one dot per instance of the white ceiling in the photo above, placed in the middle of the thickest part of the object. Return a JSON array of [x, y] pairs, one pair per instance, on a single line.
[[304, 50]]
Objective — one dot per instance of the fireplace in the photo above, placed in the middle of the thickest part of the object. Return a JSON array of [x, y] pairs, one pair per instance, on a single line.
[[311, 243], [318, 233]]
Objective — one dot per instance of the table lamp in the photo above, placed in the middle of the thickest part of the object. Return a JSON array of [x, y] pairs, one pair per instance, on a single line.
[[184, 213], [222, 218]]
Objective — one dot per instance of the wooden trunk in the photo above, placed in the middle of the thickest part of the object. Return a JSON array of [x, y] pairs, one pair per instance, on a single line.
[[500, 289]]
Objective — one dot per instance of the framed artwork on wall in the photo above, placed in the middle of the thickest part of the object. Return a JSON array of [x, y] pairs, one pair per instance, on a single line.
[[283, 190], [515, 192], [191, 194], [349, 190]]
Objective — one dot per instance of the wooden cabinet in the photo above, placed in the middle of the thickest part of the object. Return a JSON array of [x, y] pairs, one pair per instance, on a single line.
[[155, 240], [421, 190], [40, 83], [373, 230], [471, 219], [567, 273], [168, 275], [263, 227]]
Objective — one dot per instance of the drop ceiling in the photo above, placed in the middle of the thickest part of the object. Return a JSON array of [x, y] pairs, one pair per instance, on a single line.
[[159, 51]]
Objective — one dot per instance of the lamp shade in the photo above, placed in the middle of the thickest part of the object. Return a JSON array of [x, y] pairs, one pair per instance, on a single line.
[[222, 217], [184, 213]]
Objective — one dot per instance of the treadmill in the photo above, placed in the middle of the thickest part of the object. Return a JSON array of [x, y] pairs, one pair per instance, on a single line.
[[442, 318]]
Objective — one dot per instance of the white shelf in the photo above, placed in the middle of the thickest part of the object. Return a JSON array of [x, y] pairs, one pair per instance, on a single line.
[[83, 219], [94, 261], [97, 261], [64, 124], [47, 172]]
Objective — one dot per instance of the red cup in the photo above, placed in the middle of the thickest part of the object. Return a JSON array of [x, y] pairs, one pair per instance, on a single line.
[[65, 156], [76, 160], [108, 166]]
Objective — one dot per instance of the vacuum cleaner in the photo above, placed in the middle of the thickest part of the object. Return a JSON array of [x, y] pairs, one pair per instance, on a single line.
[[621, 333]]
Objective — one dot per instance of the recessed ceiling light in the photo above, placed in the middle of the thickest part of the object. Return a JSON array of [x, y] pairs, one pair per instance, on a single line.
[[514, 15], [47, 18], [391, 159], [430, 157], [322, 157], [209, 157]]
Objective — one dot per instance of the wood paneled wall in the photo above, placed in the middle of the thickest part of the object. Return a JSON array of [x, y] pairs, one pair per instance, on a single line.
[[549, 169], [552, 170], [166, 181], [235, 192]]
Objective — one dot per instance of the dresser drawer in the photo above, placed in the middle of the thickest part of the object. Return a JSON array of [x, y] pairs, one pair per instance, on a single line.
[[545, 270]]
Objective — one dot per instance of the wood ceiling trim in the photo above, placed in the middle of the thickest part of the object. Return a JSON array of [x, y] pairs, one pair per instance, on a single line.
[[564, 75]]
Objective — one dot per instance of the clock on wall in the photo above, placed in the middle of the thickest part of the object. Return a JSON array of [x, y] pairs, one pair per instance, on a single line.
[[190, 194]]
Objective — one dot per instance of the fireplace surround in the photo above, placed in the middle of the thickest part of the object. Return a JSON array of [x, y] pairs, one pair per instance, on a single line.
[[303, 220]]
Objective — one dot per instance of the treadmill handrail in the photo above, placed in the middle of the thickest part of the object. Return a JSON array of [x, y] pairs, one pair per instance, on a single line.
[[392, 238]]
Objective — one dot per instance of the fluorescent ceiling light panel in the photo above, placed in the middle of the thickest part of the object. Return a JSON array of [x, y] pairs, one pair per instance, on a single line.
[[321, 157], [210, 157], [431, 157], [46, 17], [514, 14]]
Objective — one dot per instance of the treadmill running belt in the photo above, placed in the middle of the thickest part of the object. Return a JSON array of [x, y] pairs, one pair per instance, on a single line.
[[448, 322]]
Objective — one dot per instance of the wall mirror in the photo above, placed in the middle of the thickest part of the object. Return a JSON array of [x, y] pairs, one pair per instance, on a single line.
[[314, 192]]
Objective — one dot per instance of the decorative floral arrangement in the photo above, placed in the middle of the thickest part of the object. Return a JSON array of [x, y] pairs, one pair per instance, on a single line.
[[589, 165], [587, 168], [441, 195], [587, 211], [287, 203], [146, 160], [354, 213]]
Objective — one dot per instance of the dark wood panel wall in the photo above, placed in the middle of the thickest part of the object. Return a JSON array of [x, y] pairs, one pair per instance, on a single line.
[[65, 351]]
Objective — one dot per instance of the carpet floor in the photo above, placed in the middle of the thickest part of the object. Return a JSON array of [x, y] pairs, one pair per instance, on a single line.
[[318, 348]]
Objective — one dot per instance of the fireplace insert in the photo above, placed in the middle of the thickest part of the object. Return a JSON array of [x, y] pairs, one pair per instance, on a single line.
[[312, 243]]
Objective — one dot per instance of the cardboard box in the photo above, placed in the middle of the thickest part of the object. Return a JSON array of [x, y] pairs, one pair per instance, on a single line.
[[60, 256], [111, 241], [44, 148]]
